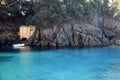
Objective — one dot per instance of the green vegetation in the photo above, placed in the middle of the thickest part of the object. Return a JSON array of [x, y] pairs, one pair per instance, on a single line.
[[40, 12], [15, 10]]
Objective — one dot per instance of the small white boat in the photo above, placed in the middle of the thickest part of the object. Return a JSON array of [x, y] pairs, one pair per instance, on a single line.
[[18, 45]]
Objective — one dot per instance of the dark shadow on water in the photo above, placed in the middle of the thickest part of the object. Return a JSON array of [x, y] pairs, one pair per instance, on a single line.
[[6, 50], [5, 58], [11, 50]]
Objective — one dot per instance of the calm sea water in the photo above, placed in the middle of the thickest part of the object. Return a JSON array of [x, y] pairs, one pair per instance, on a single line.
[[60, 64]]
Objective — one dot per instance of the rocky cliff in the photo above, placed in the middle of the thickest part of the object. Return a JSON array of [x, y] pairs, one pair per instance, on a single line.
[[8, 39], [95, 32], [84, 33]]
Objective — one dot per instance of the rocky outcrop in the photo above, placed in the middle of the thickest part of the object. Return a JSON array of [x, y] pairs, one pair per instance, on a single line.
[[8, 39], [95, 32], [78, 33]]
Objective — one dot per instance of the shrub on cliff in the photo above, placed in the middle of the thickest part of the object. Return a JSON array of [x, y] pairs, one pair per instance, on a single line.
[[15, 10], [40, 12], [58, 11]]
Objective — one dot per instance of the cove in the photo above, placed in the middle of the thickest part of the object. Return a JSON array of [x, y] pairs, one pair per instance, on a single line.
[[61, 64]]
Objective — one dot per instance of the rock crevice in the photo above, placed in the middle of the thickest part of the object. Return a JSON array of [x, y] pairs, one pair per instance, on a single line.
[[76, 33]]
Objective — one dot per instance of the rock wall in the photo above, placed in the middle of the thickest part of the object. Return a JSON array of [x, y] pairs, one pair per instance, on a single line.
[[79, 33], [8, 39], [83, 33]]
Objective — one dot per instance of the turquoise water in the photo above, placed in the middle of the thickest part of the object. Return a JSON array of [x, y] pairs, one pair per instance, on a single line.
[[61, 64]]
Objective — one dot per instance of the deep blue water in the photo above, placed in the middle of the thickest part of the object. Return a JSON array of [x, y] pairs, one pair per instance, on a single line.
[[60, 64]]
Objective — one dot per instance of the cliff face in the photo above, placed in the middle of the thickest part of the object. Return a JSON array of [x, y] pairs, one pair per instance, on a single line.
[[8, 39], [91, 33], [97, 32]]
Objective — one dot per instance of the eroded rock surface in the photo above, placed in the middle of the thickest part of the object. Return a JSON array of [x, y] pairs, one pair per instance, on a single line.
[[77, 33]]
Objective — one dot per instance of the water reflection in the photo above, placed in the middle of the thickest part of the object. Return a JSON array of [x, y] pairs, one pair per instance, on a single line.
[[26, 48], [23, 49]]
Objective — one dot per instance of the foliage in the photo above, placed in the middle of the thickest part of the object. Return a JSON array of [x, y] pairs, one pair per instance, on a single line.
[[57, 11], [40, 12], [15, 10]]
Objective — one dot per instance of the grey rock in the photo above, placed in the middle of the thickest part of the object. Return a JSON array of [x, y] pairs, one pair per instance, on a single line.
[[62, 40], [109, 33], [76, 33]]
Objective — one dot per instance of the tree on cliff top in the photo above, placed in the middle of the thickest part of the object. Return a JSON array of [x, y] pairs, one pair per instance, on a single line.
[[60, 11], [15, 10], [40, 12]]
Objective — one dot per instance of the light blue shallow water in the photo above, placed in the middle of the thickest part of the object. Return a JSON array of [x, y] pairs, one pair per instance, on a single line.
[[61, 64]]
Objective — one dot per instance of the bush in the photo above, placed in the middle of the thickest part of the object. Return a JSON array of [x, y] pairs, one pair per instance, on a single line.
[[59, 12], [54, 11]]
